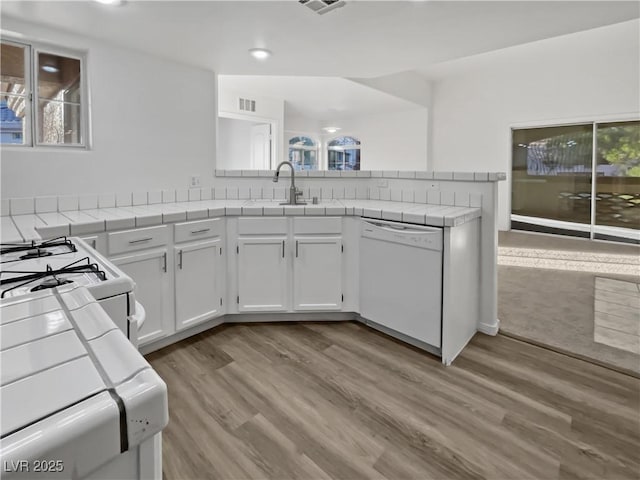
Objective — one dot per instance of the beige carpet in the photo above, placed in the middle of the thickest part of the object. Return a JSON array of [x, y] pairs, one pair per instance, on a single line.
[[562, 292]]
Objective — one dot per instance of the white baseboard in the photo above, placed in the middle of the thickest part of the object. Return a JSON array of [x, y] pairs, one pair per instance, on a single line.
[[490, 328]]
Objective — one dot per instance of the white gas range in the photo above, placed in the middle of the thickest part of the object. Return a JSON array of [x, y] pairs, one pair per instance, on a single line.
[[78, 399], [36, 266]]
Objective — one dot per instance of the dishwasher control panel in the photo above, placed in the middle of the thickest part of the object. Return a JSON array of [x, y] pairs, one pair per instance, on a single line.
[[402, 233]]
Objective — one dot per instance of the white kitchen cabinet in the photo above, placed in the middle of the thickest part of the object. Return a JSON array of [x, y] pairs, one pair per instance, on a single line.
[[262, 274], [150, 272], [317, 273], [199, 271]]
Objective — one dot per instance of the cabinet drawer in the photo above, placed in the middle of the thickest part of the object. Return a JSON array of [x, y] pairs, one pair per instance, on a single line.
[[303, 225], [262, 225], [201, 229], [138, 239]]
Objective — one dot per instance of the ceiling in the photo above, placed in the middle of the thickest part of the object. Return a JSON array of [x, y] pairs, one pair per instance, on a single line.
[[363, 39], [325, 99]]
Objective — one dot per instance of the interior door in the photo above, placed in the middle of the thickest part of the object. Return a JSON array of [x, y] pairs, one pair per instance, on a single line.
[[261, 146]]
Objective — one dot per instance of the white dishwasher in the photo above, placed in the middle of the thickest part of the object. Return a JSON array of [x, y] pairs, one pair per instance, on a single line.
[[401, 281]]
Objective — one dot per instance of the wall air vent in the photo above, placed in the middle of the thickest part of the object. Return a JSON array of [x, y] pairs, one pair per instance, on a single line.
[[322, 6], [246, 105]]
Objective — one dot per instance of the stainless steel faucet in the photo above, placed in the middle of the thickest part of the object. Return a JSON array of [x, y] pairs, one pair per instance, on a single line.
[[294, 193]]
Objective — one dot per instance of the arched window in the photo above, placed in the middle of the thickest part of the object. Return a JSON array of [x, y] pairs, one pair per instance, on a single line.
[[343, 153], [303, 153]]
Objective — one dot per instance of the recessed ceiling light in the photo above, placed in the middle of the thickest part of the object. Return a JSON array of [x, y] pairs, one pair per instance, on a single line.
[[331, 129], [50, 69], [260, 53], [111, 2]]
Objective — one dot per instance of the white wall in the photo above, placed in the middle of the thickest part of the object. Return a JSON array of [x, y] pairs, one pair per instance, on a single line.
[[153, 125], [390, 141], [587, 75]]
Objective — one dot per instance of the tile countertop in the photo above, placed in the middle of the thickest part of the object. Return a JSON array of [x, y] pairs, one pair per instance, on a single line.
[[29, 227]]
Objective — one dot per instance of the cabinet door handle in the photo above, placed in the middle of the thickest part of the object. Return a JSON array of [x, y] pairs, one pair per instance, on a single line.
[[140, 240], [200, 231], [164, 262], [180, 259], [296, 248], [282, 248]]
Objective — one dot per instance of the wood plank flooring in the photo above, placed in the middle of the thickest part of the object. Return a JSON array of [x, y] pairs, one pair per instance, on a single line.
[[339, 400]]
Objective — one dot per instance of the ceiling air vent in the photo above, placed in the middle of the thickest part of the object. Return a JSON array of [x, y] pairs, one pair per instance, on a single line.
[[322, 6], [246, 105]]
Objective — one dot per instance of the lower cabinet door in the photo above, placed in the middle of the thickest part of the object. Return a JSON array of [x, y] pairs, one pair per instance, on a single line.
[[262, 274], [149, 271], [317, 273], [198, 288]]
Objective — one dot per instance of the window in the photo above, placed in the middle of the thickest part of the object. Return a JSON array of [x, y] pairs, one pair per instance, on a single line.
[[42, 96], [303, 153], [553, 181], [343, 153]]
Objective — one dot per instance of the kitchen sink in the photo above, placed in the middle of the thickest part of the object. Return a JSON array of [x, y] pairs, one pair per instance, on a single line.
[[274, 202]]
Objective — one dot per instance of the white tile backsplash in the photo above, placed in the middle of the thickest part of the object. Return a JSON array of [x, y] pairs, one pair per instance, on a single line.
[[395, 194], [107, 200], [46, 204], [338, 192], [123, 199], [464, 176], [168, 196], [5, 208], [406, 174], [327, 193], [279, 193], [267, 193], [420, 196], [220, 193], [475, 200], [408, 196], [155, 197], [244, 193], [315, 192], [205, 193], [182, 195], [461, 199], [362, 193], [350, 193], [390, 174], [385, 194], [443, 175], [67, 203], [447, 198], [139, 198], [433, 197], [256, 192], [232, 193], [195, 194], [374, 193], [87, 202]]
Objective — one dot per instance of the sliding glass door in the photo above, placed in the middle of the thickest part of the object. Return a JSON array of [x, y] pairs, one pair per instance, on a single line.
[[554, 187]]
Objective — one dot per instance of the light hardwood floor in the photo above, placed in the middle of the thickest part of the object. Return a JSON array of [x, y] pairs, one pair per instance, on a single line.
[[338, 400]]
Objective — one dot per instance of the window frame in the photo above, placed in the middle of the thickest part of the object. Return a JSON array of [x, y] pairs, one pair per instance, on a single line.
[[314, 148], [343, 148], [31, 125], [591, 230]]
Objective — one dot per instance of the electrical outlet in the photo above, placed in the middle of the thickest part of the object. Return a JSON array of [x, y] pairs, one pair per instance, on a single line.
[[383, 183], [194, 181]]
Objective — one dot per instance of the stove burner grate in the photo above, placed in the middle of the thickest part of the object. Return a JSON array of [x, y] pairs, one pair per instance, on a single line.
[[50, 275], [35, 249], [36, 253], [51, 283]]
